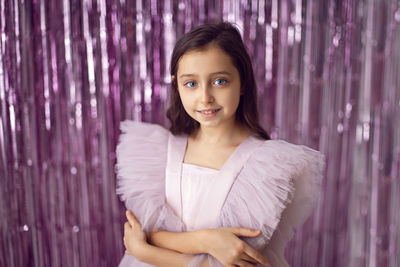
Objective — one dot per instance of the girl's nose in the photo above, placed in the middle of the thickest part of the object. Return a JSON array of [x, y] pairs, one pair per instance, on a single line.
[[206, 95]]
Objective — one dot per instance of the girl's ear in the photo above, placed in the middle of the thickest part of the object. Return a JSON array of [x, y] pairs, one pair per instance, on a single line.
[[173, 81]]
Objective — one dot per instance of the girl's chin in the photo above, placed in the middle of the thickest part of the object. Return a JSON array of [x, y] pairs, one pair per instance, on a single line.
[[207, 122]]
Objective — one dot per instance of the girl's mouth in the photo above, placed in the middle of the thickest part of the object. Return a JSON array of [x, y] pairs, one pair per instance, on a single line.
[[209, 113]]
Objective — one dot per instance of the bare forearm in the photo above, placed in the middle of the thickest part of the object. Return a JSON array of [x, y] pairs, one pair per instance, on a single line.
[[161, 257], [185, 242], [223, 244]]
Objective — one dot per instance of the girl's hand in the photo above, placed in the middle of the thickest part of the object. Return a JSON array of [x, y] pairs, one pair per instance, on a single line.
[[134, 237], [225, 245]]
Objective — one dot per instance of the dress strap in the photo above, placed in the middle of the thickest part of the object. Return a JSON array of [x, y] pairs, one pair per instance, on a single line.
[[175, 155], [228, 174]]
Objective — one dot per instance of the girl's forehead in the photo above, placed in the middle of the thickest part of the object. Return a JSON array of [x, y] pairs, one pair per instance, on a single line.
[[207, 49], [211, 58]]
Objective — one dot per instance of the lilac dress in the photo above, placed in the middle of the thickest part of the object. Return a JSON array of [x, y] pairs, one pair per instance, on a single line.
[[269, 185]]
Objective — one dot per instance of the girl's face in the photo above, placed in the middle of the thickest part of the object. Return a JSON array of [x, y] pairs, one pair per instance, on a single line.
[[209, 86]]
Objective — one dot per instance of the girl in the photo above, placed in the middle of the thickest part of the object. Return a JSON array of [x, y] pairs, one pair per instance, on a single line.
[[213, 190]]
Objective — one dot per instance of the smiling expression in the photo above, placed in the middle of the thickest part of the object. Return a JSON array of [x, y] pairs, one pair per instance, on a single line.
[[209, 86]]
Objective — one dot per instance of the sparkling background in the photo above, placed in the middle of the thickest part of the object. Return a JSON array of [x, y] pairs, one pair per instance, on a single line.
[[328, 74]]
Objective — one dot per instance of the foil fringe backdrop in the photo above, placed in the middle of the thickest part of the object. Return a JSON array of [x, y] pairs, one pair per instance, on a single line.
[[328, 74]]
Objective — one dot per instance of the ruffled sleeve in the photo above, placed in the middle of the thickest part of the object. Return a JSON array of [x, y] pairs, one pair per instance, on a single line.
[[307, 191], [277, 174], [141, 162], [308, 186]]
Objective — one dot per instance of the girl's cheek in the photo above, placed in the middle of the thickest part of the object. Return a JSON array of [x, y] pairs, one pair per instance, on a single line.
[[186, 101]]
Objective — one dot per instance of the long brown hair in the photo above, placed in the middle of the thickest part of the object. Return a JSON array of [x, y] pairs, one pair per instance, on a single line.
[[226, 37]]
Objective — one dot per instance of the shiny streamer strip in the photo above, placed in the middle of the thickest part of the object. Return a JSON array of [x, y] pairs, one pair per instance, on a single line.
[[328, 75]]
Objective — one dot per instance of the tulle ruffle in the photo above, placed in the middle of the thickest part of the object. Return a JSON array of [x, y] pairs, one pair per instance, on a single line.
[[261, 192], [141, 161]]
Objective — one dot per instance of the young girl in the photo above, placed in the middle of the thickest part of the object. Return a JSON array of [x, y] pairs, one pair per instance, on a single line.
[[214, 190]]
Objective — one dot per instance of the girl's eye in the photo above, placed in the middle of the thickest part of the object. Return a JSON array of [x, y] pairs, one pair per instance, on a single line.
[[190, 84], [220, 81]]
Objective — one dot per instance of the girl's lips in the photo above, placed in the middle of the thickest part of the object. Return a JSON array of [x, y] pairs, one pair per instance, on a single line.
[[210, 109], [207, 114]]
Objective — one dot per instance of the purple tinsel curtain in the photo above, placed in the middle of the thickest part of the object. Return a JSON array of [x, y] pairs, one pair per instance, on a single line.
[[328, 74]]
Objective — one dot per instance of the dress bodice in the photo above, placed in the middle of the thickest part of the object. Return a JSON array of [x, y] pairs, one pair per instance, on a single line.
[[197, 184]]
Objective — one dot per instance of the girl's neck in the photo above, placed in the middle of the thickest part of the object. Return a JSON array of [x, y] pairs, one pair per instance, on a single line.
[[226, 134]]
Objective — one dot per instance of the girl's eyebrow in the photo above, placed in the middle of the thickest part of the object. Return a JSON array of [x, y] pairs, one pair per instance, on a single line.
[[221, 72], [214, 73], [187, 75]]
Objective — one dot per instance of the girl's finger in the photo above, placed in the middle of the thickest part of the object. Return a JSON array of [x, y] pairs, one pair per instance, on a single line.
[[250, 232], [127, 226], [128, 214], [246, 257], [131, 218], [255, 255], [244, 231], [245, 264]]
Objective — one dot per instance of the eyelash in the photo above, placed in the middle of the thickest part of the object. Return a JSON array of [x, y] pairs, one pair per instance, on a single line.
[[219, 79]]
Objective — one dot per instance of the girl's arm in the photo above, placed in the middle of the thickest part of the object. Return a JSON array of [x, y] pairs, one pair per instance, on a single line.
[[201, 241], [161, 257], [182, 242], [223, 244], [137, 246]]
